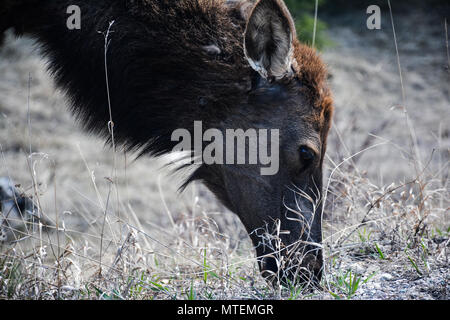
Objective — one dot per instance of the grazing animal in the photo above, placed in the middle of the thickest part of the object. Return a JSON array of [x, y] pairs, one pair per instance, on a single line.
[[228, 64], [17, 212]]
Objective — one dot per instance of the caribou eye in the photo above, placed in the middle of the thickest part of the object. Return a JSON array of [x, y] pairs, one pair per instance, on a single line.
[[307, 155]]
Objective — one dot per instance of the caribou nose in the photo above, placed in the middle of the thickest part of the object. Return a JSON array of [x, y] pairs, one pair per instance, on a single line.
[[305, 270], [310, 270]]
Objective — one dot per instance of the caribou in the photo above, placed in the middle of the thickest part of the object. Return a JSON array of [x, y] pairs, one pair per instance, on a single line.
[[228, 64]]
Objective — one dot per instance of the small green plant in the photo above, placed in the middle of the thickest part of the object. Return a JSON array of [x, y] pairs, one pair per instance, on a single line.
[[294, 291], [157, 287], [364, 236], [380, 253], [11, 272], [190, 294], [347, 284], [207, 269], [414, 264], [424, 254], [103, 295], [208, 294], [136, 285]]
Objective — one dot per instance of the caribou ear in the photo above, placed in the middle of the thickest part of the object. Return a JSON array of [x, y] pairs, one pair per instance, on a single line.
[[268, 39]]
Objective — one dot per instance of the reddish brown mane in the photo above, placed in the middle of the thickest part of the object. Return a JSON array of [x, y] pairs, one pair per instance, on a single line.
[[312, 72]]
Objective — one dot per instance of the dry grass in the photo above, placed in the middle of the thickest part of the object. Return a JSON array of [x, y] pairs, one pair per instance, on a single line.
[[192, 257]]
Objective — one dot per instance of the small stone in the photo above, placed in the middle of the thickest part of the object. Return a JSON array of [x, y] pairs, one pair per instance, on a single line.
[[376, 286], [358, 269], [386, 277]]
